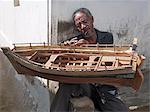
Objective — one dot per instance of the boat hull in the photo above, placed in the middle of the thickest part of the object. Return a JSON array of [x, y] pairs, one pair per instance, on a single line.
[[114, 77]]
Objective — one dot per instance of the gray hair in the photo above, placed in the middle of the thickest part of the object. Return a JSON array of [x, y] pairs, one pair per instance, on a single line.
[[83, 10]]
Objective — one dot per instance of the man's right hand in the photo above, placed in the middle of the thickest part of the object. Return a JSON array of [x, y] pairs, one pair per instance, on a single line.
[[75, 42], [71, 42]]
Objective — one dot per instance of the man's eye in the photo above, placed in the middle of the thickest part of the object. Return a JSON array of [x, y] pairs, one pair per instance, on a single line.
[[84, 21], [78, 26]]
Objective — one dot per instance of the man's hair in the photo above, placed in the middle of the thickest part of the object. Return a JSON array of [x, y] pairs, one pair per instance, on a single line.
[[83, 10]]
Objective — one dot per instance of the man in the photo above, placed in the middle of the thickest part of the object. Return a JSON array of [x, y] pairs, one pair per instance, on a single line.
[[103, 96]]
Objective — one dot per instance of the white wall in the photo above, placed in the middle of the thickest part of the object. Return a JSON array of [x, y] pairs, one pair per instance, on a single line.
[[25, 23], [114, 14]]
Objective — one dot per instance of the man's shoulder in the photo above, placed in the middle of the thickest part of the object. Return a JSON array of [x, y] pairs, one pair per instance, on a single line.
[[104, 37], [102, 32]]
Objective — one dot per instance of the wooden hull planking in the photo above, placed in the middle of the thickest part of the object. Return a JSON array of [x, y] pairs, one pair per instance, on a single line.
[[123, 76]]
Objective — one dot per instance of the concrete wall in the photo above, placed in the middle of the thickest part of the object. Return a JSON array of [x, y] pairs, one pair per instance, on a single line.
[[21, 93], [25, 23]]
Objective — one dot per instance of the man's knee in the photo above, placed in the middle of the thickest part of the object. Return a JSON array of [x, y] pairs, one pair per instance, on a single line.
[[81, 104]]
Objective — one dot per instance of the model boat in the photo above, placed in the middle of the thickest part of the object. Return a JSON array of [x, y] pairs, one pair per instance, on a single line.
[[107, 64]]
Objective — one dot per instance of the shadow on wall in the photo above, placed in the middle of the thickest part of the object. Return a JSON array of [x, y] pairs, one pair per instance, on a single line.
[[125, 30], [66, 30], [121, 31]]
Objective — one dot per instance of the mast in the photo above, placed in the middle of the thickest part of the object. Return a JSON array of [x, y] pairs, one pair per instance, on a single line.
[[48, 40]]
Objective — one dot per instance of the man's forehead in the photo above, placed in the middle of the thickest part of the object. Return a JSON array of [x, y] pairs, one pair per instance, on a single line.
[[80, 16]]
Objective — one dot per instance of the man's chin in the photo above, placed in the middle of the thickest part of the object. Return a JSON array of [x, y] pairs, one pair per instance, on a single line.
[[87, 35]]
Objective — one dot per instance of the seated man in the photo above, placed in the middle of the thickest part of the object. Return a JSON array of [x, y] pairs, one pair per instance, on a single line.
[[104, 97]]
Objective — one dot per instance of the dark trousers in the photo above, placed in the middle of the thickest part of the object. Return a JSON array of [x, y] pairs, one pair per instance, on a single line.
[[103, 100]]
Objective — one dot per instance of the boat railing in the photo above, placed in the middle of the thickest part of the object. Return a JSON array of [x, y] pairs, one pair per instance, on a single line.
[[36, 46]]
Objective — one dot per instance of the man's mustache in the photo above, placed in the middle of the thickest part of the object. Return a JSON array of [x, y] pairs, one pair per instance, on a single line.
[[85, 33]]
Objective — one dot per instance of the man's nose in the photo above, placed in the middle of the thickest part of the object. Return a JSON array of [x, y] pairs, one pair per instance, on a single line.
[[83, 26]]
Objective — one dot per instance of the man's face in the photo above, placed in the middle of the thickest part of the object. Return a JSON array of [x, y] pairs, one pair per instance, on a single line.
[[84, 24]]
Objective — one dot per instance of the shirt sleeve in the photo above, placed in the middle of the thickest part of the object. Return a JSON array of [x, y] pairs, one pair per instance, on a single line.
[[109, 38]]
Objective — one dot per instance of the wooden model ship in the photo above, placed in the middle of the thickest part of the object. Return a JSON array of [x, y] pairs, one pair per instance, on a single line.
[[106, 64]]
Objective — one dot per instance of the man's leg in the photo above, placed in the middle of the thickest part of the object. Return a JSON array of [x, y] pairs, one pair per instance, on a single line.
[[105, 99], [61, 100], [66, 92], [113, 104]]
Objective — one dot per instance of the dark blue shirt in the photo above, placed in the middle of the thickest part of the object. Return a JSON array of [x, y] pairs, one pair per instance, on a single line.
[[102, 37]]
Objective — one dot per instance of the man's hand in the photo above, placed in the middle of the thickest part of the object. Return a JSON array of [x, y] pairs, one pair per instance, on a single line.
[[71, 42], [81, 42], [75, 42]]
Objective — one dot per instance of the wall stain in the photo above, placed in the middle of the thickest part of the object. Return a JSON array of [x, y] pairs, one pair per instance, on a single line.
[[66, 30]]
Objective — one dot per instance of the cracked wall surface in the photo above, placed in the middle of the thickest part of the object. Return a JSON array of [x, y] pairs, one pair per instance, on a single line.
[[21, 93]]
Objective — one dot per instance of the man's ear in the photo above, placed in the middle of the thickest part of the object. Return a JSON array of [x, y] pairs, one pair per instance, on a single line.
[[92, 18]]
